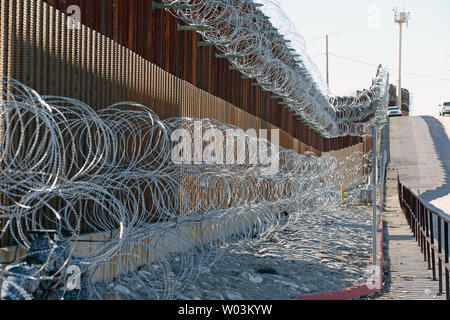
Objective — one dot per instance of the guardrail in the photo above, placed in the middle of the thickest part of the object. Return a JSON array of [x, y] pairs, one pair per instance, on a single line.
[[424, 223]]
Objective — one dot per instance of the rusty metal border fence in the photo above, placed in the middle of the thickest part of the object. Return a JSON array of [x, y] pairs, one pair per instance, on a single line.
[[97, 66], [37, 49], [126, 50], [424, 223], [153, 34]]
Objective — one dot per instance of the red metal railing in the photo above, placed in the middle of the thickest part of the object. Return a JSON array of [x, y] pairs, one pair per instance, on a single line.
[[430, 229]]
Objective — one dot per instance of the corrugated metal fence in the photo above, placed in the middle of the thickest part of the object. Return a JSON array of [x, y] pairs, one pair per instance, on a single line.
[[152, 34], [134, 53]]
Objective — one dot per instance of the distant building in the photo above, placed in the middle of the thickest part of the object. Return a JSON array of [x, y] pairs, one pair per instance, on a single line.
[[405, 99]]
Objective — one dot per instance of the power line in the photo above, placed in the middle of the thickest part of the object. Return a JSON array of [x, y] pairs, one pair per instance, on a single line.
[[353, 60], [317, 55], [357, 27], [390, 69], [354, 28]]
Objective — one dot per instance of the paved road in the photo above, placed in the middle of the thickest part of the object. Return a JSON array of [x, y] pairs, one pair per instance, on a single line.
[[420, 151], [420, 154]]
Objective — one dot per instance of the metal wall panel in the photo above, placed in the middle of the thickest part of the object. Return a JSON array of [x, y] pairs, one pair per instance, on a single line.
[[153, 35], [127, 51]]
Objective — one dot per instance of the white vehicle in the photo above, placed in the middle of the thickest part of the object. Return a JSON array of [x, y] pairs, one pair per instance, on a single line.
[[445, 109], [394, 111]]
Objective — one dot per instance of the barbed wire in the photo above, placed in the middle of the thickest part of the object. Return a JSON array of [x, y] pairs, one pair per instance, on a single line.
[[260, 41], [155, 223]]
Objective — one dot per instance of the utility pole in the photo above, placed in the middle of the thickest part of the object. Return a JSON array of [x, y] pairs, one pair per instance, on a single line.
[[374, 197], [400, 18], [328, 83], [327, 54]]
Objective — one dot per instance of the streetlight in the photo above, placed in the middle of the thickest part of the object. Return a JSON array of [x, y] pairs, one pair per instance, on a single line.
[[400, 18]]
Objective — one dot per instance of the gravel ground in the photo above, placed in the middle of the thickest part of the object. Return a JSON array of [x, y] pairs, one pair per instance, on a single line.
[[321, 252]]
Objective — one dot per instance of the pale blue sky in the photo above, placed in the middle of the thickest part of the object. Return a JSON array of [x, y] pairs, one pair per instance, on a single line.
[[426, 46]]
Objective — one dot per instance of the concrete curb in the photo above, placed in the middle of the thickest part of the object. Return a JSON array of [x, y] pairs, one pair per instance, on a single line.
[[360, 290]]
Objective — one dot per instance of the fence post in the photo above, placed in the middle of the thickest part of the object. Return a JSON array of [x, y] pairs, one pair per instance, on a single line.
[[440, 252], [433, 262], [374, 198], [447, 275]]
